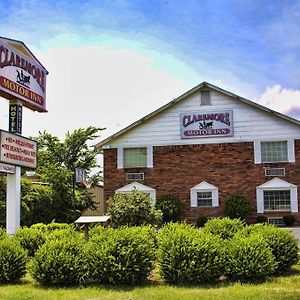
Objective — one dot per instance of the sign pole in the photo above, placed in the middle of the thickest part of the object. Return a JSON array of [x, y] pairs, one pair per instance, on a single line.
[[13, 187]]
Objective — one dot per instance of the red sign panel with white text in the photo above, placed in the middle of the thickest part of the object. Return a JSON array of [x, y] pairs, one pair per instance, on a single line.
[[206, 124], [17, 150]]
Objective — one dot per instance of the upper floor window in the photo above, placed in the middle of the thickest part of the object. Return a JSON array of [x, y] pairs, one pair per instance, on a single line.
[[135, 157], [274, 151]]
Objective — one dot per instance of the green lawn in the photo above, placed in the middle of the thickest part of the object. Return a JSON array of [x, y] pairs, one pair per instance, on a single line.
[[284, 287]]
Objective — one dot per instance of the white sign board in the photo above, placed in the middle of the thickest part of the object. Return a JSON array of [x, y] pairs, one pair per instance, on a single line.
[[17, 150], [21, 75], [206, 124], [5, 168]]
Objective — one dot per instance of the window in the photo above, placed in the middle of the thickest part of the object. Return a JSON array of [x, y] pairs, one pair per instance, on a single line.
[[139, 187], [204, 198], [277, 200], [204, 194], [277, 195], [274, 151], [135, 157], [205, 97]]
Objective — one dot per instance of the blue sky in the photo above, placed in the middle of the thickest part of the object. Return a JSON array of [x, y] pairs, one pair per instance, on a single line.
[[145, 53]]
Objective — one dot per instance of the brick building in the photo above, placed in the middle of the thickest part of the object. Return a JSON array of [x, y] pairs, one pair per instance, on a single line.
[[203, 147]]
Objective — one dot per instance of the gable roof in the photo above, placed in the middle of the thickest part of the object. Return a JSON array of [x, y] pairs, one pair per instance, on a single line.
[[188, 93]]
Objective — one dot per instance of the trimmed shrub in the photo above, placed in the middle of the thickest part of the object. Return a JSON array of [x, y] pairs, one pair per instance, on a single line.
[[187, 255], [13, 260], [133, 209], [250, 258], [289, 220], [121, 256], [169, 205], [3, 233], [201, 221], [30, 239], [54, 226], [261, 219], [97, 230], [237, 207], [63, 233], [225, 228], [282, 243], [59, 262]]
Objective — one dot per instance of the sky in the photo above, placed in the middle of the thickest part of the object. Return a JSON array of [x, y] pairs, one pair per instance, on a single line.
[[112, 62]]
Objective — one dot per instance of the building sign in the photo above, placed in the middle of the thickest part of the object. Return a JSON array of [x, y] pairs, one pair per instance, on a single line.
[[15, 118], [21, 75], [80, 175], [5, 168], [208, 124], [17, 150]]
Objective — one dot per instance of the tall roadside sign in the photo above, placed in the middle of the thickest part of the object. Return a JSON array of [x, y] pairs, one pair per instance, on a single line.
[[23, 83]]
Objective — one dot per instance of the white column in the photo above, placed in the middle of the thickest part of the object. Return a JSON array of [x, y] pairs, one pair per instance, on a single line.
[[13, 196]]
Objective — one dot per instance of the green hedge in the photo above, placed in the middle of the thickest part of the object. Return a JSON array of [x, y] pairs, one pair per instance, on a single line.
[[121, 256], [225, 228], [187, 255], [282, 242], [250, 258], [169, 205], [13, 260], [59, 262], [3, 233]]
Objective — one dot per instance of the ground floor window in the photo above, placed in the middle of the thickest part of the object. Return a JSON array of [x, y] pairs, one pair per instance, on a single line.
[[277, 200], [204, 194], [204, 199]]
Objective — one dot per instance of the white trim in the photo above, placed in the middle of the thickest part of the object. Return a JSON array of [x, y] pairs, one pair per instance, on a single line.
[[204, 187], [290, 150], [276, 184], [120, 155], [139, 187]]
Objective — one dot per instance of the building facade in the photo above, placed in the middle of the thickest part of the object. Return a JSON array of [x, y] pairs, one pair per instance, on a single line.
[[205, 146]]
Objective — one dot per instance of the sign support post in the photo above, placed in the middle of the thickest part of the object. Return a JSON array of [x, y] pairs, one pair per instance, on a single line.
[[13, 183]]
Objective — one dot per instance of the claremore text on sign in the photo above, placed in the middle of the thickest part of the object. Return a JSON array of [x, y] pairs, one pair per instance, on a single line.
[[22, 76], [208, 124], [17, 150]]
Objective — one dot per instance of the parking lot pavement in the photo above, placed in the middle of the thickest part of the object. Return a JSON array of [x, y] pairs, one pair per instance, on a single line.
[[296, 232]]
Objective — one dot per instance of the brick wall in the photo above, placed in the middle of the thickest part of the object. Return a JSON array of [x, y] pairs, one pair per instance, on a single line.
[[230, 167]]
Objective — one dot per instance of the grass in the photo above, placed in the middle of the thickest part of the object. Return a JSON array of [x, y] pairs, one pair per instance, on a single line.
[[283, 287]]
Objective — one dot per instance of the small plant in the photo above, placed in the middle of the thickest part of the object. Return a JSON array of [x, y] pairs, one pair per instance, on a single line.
[[289, 220], [282, 243], [237, 207], [261, 219], [187, 255], [170, 208], [59, 262], [30, 239], [3, 233], [133, 209], [250, 258], [225, 228], [201, 221], [13, 260], [121, 256]]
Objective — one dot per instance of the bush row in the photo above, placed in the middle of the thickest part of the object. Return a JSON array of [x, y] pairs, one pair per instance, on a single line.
[[185, 254]]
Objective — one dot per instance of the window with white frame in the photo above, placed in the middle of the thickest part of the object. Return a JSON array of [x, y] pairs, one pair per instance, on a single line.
[[277, 195], [204, 194], [134, 157], [204, 199], [277, 200], [274, 151], [139, 187]]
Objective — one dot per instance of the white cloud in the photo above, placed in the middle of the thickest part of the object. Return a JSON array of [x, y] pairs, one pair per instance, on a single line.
[[99, 86], [281, 99]]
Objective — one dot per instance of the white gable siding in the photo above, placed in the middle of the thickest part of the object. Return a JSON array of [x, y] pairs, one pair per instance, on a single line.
[[249, 124]]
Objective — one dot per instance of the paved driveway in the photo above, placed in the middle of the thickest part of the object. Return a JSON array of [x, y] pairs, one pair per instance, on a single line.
[[296, 232]]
